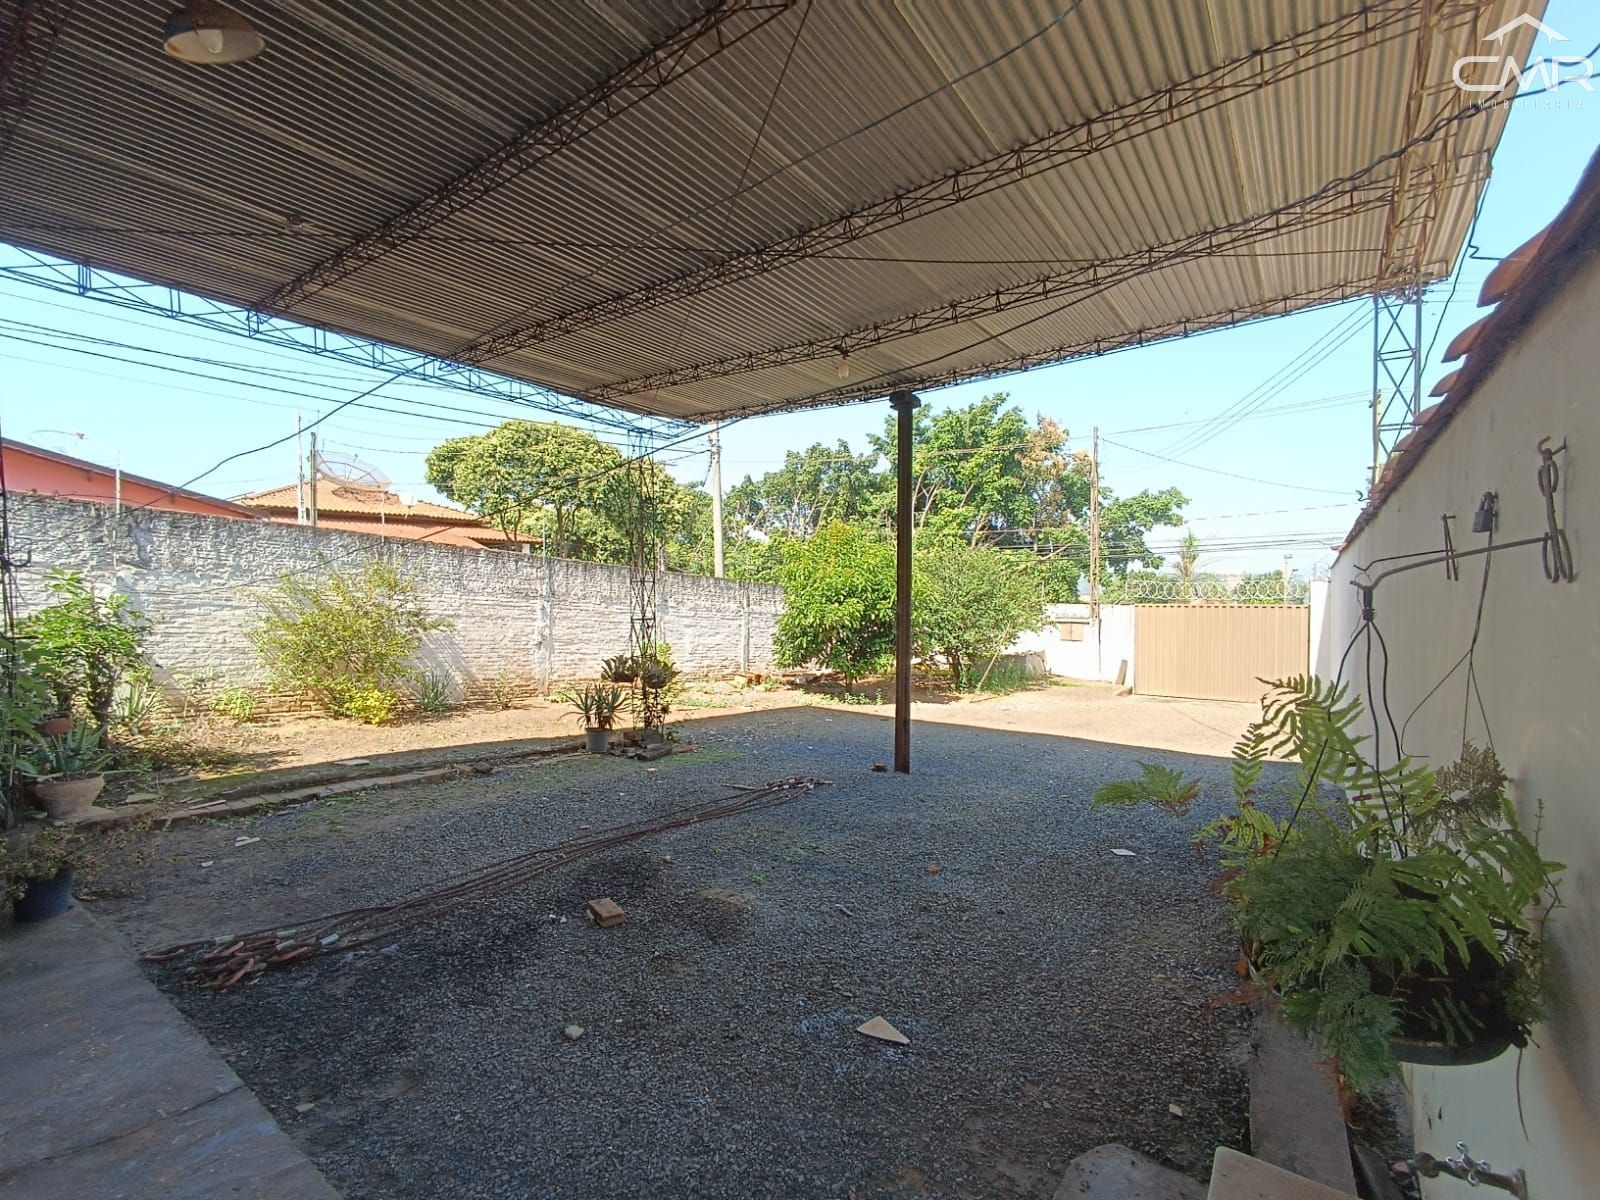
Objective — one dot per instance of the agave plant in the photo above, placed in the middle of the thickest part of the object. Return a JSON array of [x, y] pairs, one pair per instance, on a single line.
[[70, 755], [597, 705]]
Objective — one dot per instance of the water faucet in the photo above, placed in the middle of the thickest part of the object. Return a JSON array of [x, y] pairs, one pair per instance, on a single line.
[[1476, 1172]]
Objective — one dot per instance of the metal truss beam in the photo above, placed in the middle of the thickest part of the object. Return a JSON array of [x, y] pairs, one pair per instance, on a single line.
[[1069, 287], [1284, 59], [30, 36], [1010, 364], [1396, 372], [1425, 172], [718, 28], [80, 279]]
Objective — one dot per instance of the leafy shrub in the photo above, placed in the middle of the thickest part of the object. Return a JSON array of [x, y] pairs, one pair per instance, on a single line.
[[346, 640], [83, 645], [838, 602], [502, 691], [433, 694], [369, 705], [24, 701], [969, 603], [235, 703]]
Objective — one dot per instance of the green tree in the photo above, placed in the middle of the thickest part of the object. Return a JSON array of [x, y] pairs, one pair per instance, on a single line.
[[818, 484], [1188, 564], [838, 601], [970, 603], [531, 476], [567, 486]]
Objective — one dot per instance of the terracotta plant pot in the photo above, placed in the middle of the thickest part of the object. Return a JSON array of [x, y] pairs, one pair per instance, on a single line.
[[44, 898], [55, 726], [63, 798], [597, 741]]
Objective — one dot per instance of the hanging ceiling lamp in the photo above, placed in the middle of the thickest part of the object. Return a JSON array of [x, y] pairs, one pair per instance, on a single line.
[[206, 32]]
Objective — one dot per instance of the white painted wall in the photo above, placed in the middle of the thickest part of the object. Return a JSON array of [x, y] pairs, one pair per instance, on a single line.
[[523, 616], [1538, 664], [1106, 645]]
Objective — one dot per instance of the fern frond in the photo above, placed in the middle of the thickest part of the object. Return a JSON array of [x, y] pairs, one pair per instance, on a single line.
[[1162, 786]]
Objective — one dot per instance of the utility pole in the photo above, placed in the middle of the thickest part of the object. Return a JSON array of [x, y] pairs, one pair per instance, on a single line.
[[1287, 559], [311, 470], [299, 475], [1094, 527], [715, 438]]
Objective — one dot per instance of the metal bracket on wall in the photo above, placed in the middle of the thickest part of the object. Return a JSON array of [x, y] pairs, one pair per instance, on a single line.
[[1452, 569], [1557, 552]]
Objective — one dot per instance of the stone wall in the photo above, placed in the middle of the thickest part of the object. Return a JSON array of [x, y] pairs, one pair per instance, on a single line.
[[522, 619]]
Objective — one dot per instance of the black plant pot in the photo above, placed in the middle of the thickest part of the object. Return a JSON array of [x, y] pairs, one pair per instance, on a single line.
[[1489, 1046], [45, 898]]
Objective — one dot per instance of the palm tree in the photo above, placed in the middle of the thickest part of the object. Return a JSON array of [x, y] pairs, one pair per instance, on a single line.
[[1188, 559]]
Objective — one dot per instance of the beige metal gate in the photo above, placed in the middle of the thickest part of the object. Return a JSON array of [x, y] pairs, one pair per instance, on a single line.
[[1217, 651]]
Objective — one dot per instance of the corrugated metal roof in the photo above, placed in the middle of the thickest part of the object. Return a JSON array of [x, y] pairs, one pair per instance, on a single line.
[[588, 272]]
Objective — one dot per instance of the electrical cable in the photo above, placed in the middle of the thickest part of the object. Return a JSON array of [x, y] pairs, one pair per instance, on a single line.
[[1299, 487]]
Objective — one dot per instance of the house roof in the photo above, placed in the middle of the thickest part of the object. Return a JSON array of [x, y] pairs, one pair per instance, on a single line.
[[357, 501], [15, 447], [470, 537], [697, 208], [1518, 288]]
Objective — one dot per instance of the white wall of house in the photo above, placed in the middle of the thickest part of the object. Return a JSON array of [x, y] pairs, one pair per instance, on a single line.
[[1538, 666], [521, 617], [1105, 645]]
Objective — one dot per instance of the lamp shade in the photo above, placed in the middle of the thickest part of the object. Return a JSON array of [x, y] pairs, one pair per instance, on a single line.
[[206, 32]]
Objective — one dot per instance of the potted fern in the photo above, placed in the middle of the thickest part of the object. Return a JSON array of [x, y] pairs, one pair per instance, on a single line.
[[67, 770], [597, 705], [1394, 909]]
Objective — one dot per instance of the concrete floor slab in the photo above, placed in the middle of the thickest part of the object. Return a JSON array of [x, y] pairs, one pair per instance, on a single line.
[[1236, 1176], [1295, 1119], [1114, 1172], [111, 1093]]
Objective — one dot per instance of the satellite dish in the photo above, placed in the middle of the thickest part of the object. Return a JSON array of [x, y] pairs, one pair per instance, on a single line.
[[350, 471]]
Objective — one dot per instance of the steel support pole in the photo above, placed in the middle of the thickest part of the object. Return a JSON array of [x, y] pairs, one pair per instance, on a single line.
[[905, 405]]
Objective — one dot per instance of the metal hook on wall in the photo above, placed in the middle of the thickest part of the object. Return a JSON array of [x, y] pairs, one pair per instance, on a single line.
[[1557, 552]]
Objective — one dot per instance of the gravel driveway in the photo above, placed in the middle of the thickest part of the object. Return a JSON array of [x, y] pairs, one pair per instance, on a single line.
[[1056, 995]]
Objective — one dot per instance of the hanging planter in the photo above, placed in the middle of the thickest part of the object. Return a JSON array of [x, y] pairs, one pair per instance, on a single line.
[[1393, 925]]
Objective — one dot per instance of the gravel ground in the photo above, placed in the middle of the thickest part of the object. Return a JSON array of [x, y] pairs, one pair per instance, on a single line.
[[1057, 996]]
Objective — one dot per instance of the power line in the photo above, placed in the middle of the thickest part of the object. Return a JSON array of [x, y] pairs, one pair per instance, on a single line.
[[1274, 385], [1299, 487]]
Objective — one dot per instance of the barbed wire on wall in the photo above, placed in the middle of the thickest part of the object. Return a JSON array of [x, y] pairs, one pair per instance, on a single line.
[[1206, 590]]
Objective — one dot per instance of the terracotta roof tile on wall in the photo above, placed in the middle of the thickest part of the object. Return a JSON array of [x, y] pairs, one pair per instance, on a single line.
[[1509, 270], [371, 502], [1462, 342]]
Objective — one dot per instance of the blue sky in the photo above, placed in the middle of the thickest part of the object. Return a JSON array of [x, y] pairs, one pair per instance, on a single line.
[[1302, 468]]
